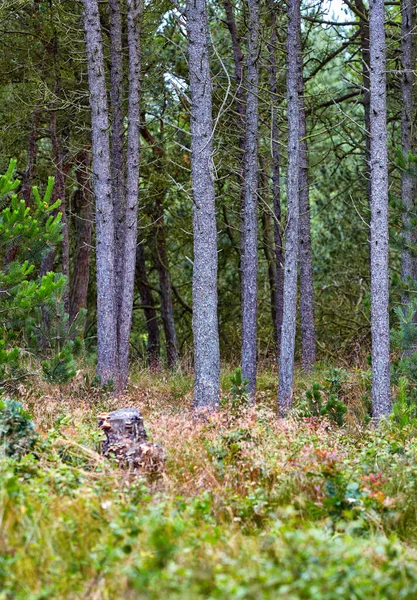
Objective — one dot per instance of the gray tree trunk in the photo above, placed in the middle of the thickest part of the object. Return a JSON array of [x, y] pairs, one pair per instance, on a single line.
[[127, 283], [106, 307], [286, 365], [276, 184], [146, 296], [381, 404], [117, 151], [408, 187], [83, 208], [167, 306], [250, 213], [364, 35], [308, 330], [205, 322]]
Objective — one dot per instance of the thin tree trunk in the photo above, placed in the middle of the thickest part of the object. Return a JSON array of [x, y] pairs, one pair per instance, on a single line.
[[205, 322], [381, 404], [161, 258], [134, 13], [153, 345], [276, 185], [117, 151], [364, 35], [167, 307], [286, 367], [59, 193], [268, 246], [250, 215], [83, 208], [408, 187], [240, 102], [105, 239], [308, 331]]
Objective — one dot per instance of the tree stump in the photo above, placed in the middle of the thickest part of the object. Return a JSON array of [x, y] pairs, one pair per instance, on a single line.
[[126, 441]]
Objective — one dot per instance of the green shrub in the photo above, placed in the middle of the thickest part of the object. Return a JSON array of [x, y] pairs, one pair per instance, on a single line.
[[17, 432]]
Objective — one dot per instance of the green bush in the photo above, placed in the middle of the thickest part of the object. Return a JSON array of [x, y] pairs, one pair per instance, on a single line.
[[34, 321], [17, 432]]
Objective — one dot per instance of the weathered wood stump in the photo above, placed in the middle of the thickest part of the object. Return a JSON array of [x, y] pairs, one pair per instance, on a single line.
[[126, 441]]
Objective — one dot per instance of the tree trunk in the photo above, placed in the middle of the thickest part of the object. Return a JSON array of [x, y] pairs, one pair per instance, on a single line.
[[286, 366], [276, 185], [105, 239], [127, 283], [268, 245], [364, 35], [308, 331], [240, 102], [117, 151], [205, 322], [250, 214], [83, 201], [381, 404], [153, 345], [167, 307], [408, 187], [59, 193], [161, 255]]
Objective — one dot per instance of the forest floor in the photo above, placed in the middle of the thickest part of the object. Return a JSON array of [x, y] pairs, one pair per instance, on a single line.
[[248, 506]]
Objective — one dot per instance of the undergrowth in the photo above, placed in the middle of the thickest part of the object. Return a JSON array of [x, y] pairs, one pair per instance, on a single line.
[[249, 506]]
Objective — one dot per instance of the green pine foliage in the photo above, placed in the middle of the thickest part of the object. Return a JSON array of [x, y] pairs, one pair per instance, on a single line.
[[34, 320]]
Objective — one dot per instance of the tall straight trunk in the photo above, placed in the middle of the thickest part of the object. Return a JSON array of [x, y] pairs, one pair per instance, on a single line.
[[105, 242], [268, 246], [308, 330], [127, 283], [146, 297], [250, 213], [205, 321], [364, 36], [167, 306], [59, 193], [286, 363], [240, 102], [117, 151], [276, 184], [381, 403], [83, 208], [161, 254], [408, 187]]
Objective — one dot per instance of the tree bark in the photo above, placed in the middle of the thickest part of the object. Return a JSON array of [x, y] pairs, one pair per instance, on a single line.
[[127, 283], [250, 213], [59, 193], [286, 366], [161, 255], [83, 205], [105, 238], [153, 345], [117, 151], [276, 184], [167, 307], [408, 187], [240, 102], [205, 321], [268, 246], [381, 403], [364, 36], [308, 331]]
